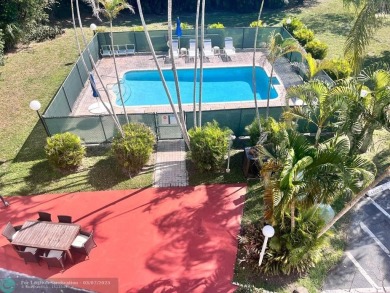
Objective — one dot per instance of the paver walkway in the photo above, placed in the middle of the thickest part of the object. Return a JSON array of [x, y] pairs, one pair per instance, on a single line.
[[170, 168]]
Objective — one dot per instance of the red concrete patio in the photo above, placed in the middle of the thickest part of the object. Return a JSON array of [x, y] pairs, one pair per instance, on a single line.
[[149, 240]]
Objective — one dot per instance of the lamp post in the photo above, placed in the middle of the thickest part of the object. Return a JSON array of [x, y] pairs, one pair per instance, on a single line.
[[268, 232], [36, 105], [288, 20], [93, 27], [231, 138]]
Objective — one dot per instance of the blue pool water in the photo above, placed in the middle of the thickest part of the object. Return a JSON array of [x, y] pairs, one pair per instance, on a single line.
[[232, 84]]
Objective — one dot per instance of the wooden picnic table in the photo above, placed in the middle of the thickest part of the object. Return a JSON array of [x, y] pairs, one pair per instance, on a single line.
[[47, 235]]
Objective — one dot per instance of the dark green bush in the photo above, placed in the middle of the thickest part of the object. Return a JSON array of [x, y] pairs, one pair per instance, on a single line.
[[1, 48], [64, 151], [317, 49], [340, 68], [303, 35], [134, 149], [41, 33], [295, 24], [256, 23], [271, 126], [216, 25], [209, 145]]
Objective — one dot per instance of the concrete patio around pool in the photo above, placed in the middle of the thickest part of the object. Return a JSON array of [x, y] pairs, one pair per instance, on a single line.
[[283, 71], [148, 240]]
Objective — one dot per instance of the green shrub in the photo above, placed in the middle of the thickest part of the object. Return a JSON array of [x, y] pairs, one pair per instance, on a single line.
[[295, 24], [1, 48], [41, 33], [216, 25], [303, 35], [138, 28], [209, 145], [273, 128], [64, 151], [134, 149], [256, 23], [340, 68], [317, 49], [186, 26]]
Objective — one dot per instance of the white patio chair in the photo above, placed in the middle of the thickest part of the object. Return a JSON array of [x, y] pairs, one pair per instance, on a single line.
[[130, 49], [192, 50], [105, 51], [175, 49], [207, 48], [120, 50], [229, 49]]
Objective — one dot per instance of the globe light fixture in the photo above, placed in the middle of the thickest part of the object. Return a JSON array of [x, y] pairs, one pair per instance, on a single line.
[[35, 106], [268, 232], [288, 20], [93, 27]]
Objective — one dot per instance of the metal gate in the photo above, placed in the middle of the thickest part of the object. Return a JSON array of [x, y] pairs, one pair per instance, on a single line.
[[167, 127]]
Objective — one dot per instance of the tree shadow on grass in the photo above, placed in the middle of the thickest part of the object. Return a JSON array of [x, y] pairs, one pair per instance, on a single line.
[[33, 147], [383, 57], [334, 23], [382, 160]]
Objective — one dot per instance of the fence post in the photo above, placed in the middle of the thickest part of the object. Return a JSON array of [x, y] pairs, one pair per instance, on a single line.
[[156, 128], [135, 42], [239, 123], [104, 132], [243, 36], [66, 98]]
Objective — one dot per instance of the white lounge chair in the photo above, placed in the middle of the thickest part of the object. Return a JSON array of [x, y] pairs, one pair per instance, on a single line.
[[130, 49], [192, 51], [106, 51], [229, 49], [120, 50], [175, 49], [207, 48]]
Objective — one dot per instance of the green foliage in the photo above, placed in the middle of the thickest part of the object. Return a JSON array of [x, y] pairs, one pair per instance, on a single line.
[[1, 47], [341, 68], [273, 129], [216, 25], [138, 28], [134, 149], [256, 23], [287, 252], [186, 26], [209, 146], [64, 151], [317, 49], [303, 35], [40, 33], [295, 24]]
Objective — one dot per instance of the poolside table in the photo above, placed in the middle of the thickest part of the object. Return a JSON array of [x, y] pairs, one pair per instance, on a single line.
[[47, 235]]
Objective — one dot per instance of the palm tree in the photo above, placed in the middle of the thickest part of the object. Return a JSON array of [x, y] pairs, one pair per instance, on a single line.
[[279, 47], [368, 107], [201, 61], [181, 113], [110, 110], [196, 59], [366, 23], [254, 66], [314, 66], [148, 39], [319, 106], [111, 9]]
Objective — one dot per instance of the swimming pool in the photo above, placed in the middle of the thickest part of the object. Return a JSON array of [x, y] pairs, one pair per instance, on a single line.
[[220, 85]]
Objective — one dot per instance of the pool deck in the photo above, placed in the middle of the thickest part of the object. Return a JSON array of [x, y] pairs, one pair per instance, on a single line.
[[282, 70]]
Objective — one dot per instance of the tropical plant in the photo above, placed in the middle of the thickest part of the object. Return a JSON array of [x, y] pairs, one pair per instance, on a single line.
[[41, 33], [278, 47], [303, 35], [319, 106], [369, 16], [314, 66], [133, 150], [368, 98], [339, 68], [209, 146], [317, 49], [64, 151], [110, 9], [216, 25], [256, 23]]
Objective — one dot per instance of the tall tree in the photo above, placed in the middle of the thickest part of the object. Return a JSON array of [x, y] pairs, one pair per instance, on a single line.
[[149, 40], [254, 66], [110, 9], [369, 16], [278, 47], [201, 61], [196, 60]]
